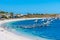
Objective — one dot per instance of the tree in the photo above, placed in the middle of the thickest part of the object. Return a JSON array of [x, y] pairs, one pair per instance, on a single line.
[[11, 14], [29, 14], [3, 12]]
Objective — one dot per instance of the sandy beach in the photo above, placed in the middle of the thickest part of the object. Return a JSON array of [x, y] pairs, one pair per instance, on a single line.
[[6, 35]]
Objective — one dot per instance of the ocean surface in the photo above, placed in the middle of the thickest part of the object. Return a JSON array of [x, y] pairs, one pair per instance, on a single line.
[[47, 28]]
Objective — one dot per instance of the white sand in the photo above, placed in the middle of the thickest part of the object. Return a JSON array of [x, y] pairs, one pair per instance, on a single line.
[[5, 35]]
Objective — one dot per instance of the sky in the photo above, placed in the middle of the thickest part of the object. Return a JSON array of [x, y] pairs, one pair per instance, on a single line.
[[30, 6]]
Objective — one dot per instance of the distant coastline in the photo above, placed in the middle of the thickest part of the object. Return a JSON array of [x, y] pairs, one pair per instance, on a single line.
[[11, 15]]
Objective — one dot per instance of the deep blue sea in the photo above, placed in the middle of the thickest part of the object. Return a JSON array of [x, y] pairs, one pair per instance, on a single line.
[[49, 31]]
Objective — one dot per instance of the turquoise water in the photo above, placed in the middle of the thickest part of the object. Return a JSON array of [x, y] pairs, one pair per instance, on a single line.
[[52, 31]]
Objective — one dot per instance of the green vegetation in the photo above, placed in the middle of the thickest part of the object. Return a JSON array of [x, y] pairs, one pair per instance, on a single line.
[[8, 15], [11, 14]]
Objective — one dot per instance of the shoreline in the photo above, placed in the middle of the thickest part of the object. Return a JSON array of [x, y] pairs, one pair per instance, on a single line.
[[11, 36]]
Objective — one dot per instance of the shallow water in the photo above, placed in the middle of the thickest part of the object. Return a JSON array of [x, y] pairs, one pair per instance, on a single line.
[[52, 31]]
